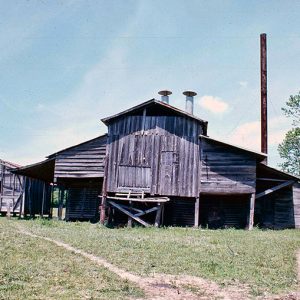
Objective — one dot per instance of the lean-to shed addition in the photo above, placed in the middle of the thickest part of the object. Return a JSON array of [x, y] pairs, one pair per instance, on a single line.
[[22, 195], [78, 172]]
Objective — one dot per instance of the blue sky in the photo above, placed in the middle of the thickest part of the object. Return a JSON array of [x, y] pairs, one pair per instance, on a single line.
[[67, 64]]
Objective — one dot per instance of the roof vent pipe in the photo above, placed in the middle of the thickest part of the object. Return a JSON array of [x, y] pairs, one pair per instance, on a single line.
[[189, 104], [165, 95]]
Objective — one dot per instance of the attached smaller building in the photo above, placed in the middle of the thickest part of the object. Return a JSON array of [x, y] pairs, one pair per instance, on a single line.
[[78, 173]]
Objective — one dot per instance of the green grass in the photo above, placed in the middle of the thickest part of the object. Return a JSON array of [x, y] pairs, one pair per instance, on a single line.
[[263, 260], [35, 269]]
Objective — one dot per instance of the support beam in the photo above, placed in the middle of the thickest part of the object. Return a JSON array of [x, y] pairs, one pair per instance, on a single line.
[[139, 220], [104, 192], [61, 203], [271, 179], [129, 222], [158, 215], [43, 200], [196, 223], [51, 201], [251, 212], [275, 188]]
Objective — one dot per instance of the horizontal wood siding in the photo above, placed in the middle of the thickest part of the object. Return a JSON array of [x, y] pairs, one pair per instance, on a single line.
[[82, 161], [226, 170], [167, 145], [296, 203], [277, 210], [82, 198], [180, 212]]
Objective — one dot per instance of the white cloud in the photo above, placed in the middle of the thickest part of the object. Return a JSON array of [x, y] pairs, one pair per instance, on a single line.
[[213, 104], [248, 134], [243, 84]]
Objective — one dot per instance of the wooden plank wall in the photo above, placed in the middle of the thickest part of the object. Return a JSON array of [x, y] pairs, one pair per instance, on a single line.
[[296, 203], [168, 145], [34, 191], [83, 200], [10, 189], [82, 161], [277, 210], [226, 170], [179, 212]]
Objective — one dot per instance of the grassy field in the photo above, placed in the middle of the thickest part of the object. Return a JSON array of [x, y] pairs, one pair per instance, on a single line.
[[263, 260], [35, 269]]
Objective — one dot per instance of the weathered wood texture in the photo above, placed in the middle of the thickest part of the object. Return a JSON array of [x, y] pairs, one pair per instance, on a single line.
[[276, 210], [83, 200], [226, 170], [179, 212], [156, 154], [279, 209], [37, 197], [11, 189], [296, 202], [83, 161]]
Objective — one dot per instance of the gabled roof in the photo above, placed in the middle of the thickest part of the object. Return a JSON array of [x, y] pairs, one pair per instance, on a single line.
[[260, 155], [71, 147], [9, 164], [153, 103], [43, 170], [277, 173]]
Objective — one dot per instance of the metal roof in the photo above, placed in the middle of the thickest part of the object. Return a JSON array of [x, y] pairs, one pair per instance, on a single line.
[[71, 147], [260, 154], [153, 102]]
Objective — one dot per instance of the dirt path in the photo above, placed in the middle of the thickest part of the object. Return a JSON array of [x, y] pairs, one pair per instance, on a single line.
[[162, 286]]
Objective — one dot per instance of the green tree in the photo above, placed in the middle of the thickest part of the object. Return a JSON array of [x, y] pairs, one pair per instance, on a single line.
[[293, 109], [289, 149]]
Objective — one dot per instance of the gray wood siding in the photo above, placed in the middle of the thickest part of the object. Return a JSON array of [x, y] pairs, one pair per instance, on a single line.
[[277, 209], [83, 161], [296, 202], [226, 170], [164, 149]]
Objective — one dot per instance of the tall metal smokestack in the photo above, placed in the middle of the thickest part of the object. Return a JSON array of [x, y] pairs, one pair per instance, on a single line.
[[165, 95], [189, 104], [263, 84]]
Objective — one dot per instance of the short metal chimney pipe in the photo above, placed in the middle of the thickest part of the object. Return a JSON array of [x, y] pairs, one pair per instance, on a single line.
[[189, 104], [165, 95]]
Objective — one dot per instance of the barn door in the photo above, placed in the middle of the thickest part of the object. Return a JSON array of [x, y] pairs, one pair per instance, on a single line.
[[168, 173], [134, 178]]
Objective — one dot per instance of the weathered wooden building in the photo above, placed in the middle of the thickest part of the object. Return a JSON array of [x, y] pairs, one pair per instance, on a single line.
[[22, 195], [157, 165], [159, 151], [77, 174], [11, 188]]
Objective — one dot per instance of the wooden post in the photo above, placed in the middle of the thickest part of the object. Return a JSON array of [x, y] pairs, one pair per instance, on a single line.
[[61, 202], [23, 208], [158, 215], [104, 193], [43, 201], [129, 223], [51, 201], [1, 185], [8, 215], [196, 223], [251, 212]]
